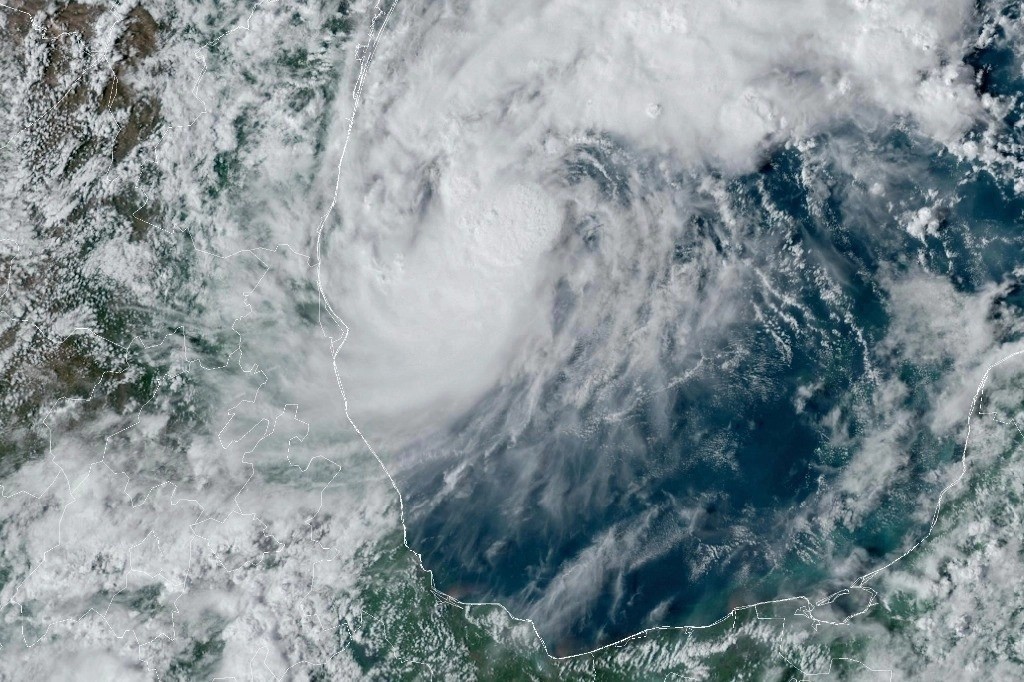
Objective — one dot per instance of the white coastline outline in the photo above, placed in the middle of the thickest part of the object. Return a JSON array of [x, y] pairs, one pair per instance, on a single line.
[[336, 343]]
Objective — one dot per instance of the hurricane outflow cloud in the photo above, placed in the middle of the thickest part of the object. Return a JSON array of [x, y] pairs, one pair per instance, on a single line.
[[457, 200], [597, 267], [655, 310]]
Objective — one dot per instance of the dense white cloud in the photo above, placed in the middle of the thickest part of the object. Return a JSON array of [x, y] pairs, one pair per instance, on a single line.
[[519, 178], [454, 216]]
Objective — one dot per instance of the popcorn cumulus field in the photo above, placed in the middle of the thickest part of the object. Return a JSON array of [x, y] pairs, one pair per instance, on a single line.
[[541, 340]]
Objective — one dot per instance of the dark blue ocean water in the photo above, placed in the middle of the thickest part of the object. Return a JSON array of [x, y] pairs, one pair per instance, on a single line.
[[719, 464]]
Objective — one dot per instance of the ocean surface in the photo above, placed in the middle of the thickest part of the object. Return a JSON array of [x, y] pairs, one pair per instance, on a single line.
[[423, 340], [671, 502]]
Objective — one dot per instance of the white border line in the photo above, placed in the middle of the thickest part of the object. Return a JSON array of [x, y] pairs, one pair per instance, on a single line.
[[377, 25]]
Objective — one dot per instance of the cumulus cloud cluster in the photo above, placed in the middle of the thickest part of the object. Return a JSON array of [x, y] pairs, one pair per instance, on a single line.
[[572, 272], [575, 277], [454, 194]]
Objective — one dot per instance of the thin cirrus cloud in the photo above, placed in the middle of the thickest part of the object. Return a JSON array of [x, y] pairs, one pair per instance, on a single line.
[[453, 212]]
